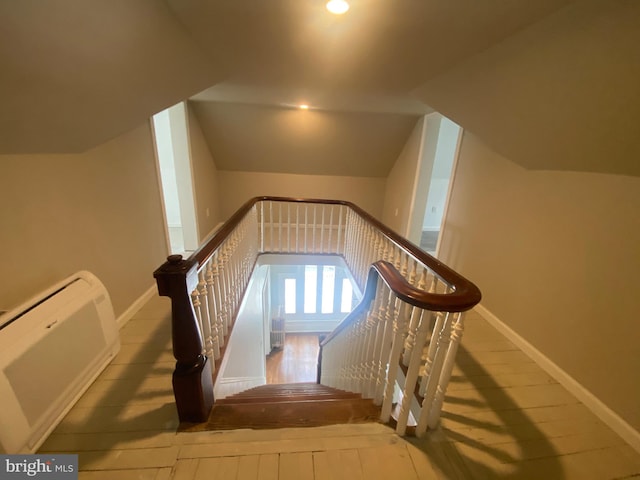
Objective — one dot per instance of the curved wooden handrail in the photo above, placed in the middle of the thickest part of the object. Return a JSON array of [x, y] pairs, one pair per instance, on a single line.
[[437, 302], [362, 307], [465, 294]]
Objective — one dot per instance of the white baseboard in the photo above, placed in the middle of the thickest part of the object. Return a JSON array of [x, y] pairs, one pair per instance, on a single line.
[[602, 411], [135, 306]]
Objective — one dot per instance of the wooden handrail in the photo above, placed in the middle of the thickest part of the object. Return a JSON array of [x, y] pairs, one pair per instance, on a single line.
[[465, 294], [437, 302], [362, 307], [210, 245]]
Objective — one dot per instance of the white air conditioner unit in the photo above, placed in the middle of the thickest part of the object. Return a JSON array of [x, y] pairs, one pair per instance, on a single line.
[[51, 349]]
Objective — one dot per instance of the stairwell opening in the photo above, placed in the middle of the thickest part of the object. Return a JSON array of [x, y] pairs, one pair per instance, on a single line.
[[274, 385], [290, 302]]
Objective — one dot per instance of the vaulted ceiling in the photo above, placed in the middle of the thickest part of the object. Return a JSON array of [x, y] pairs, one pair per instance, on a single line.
[[550, 84]]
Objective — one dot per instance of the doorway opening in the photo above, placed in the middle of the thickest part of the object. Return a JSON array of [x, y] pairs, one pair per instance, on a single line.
[[438, 152], [174, 167]]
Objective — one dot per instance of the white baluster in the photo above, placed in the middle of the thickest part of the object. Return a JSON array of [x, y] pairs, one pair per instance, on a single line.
[[288, 228], [262, 226], [413, 276], [413, 326], [313, 231], [297, 228], [413, 370], [306, 226], [447, 368], [214, 316], [433, 375], [369, 363], [280, 242], [207, 340], [322, 227], [431, 351], [270, 227], [195, 301], [340, 248], [404, 264], [222, 292], [330, 245], [399, 332], [387, 340]]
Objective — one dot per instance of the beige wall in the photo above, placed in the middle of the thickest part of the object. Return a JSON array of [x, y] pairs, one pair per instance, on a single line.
[[400, 182], [556, 257], [205, 178], [238, 187], [98, 211]]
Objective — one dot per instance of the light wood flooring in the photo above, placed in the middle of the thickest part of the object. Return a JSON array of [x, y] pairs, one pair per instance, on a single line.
[[296, 361], [503, 418]]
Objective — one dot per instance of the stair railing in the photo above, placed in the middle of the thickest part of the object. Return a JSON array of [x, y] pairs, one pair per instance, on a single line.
[[411, 300]]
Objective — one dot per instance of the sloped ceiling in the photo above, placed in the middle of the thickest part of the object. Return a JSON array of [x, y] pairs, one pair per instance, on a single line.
[[356, 71], [273, 139], [75, 73], [550, 83], [562, 94], [378, 46]]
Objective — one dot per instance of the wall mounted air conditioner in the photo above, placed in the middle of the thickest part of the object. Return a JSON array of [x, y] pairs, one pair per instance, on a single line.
[[51, 349]]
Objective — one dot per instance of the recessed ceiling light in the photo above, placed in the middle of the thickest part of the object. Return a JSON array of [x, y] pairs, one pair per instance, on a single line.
[[303, 107], [337, 6]]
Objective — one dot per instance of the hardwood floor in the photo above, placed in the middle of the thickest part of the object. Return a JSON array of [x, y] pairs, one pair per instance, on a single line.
[[504, 418], [296, 362]]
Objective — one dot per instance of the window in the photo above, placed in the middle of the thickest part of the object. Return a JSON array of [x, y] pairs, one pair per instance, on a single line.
[[289, 295], [347, 296], [314, 291], [310, 288], [328, 288]]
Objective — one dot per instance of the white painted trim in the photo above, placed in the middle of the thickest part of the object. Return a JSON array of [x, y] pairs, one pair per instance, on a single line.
[[452, 179], [136, 305], [593, 403], [165, 223]]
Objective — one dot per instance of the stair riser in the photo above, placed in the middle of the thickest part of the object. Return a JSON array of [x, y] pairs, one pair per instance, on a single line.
[[284, 398]]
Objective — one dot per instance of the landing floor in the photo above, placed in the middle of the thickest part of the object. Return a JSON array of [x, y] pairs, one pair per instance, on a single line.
[[296, 361], [504, 418]]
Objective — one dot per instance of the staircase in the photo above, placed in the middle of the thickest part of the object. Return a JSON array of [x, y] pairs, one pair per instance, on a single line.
[[290, 405]]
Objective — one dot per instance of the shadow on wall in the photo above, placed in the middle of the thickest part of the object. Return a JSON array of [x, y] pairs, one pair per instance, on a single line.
[[466, 447]]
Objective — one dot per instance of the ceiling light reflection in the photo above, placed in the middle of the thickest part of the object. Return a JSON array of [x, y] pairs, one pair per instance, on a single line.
[[337, 7]]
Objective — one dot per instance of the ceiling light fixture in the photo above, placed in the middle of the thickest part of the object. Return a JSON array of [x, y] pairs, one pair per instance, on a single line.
[[337, 6]]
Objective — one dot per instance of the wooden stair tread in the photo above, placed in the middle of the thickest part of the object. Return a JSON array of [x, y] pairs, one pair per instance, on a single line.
[[306, 413], [288, 405], [289, 390], [286, 398]]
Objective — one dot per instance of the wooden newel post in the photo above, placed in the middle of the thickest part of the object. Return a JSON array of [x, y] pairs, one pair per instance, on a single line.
[[192, 384]]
